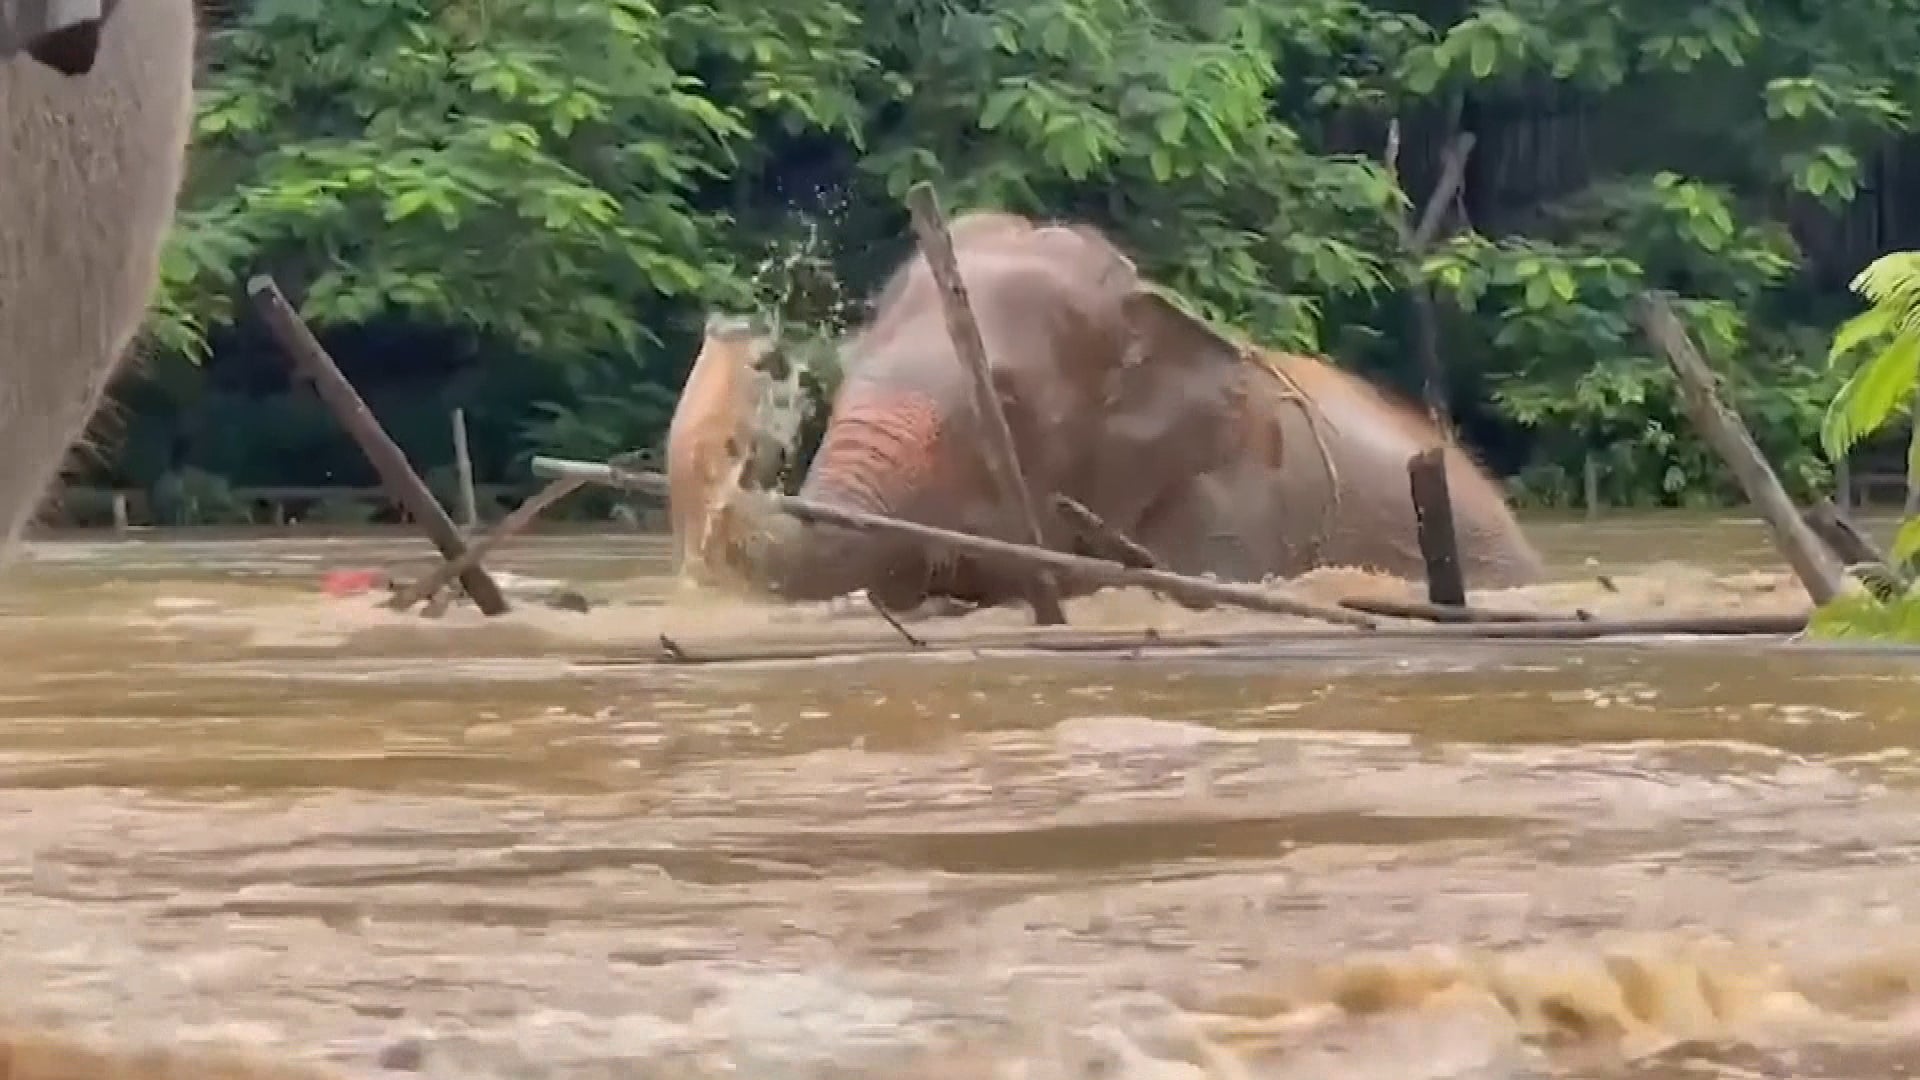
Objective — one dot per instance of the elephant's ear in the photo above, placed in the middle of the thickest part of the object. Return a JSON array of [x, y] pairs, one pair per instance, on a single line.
[[1164, 328], [1173, 403]]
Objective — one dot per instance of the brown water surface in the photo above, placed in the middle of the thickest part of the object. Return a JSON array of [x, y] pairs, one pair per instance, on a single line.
[[232, 811]]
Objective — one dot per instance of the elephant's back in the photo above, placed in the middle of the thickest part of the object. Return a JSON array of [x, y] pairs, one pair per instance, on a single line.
[[1008, 261], [1372, 434], [1344, 397]]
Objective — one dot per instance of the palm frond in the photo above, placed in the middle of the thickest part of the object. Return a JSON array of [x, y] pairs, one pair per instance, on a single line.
[[1891, 283], [1874, 394]]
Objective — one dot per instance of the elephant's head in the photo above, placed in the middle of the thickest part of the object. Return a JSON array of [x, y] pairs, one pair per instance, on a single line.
[[1113, 394], [96, 100], [62, 34]]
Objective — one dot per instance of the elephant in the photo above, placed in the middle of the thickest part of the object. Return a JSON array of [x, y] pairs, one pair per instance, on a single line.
[[96, 104], [1218, 457]]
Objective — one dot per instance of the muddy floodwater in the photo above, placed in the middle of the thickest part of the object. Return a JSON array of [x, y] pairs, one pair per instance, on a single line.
[[235, 811]]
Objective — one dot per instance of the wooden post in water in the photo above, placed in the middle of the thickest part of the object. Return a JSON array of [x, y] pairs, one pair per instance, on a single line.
[[310, 359], [1003, 461], [120, 517], [1728, 434], [521, 517], [1433, 516], [463, 465]]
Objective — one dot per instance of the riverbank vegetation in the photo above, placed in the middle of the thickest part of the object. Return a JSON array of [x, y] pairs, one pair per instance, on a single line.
[[525, 209], [1879, 349]]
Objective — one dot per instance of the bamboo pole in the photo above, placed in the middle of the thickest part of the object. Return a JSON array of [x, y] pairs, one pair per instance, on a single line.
[[677, 651], [1092, 571], [1003, 462], [1444, 613], [396, 473], [463, 464], [642, 481]]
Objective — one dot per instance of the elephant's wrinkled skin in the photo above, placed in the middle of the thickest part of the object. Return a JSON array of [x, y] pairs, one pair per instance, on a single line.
[[1182, 439], [94, 122]]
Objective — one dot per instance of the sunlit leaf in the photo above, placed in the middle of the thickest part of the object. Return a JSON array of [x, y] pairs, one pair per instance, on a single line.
[[1874, 393]]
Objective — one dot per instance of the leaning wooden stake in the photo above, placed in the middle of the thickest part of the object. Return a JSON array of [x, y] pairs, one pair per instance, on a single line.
[[512, 524], [1722, 427], [1003, 462], [1103, 541], [1840, 535], [1106, 541], [1855, 552], [1433, 520], [311, 360], [1091, 571]]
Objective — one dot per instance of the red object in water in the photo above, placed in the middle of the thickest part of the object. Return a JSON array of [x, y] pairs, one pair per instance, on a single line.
[[352, 582]]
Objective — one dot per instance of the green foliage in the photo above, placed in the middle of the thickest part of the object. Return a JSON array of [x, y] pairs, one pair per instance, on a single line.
[[1879, 389], [553, 193], [1883, 386], [1858, 615]]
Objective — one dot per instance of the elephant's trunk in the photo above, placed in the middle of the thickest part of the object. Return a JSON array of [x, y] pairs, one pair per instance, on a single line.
[[880, 455]]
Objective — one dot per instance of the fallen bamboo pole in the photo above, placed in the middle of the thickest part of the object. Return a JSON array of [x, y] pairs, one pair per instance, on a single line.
[[1442, 613], [641, 481], [512, 524], [677, 651], [1002, 459], [1091, 571], [1723, 428], [396, 474]]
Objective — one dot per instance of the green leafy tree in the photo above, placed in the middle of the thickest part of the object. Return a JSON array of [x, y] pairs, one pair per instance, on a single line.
[[545, 196]]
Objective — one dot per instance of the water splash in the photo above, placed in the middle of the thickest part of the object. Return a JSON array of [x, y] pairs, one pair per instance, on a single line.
[[802, 310]]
